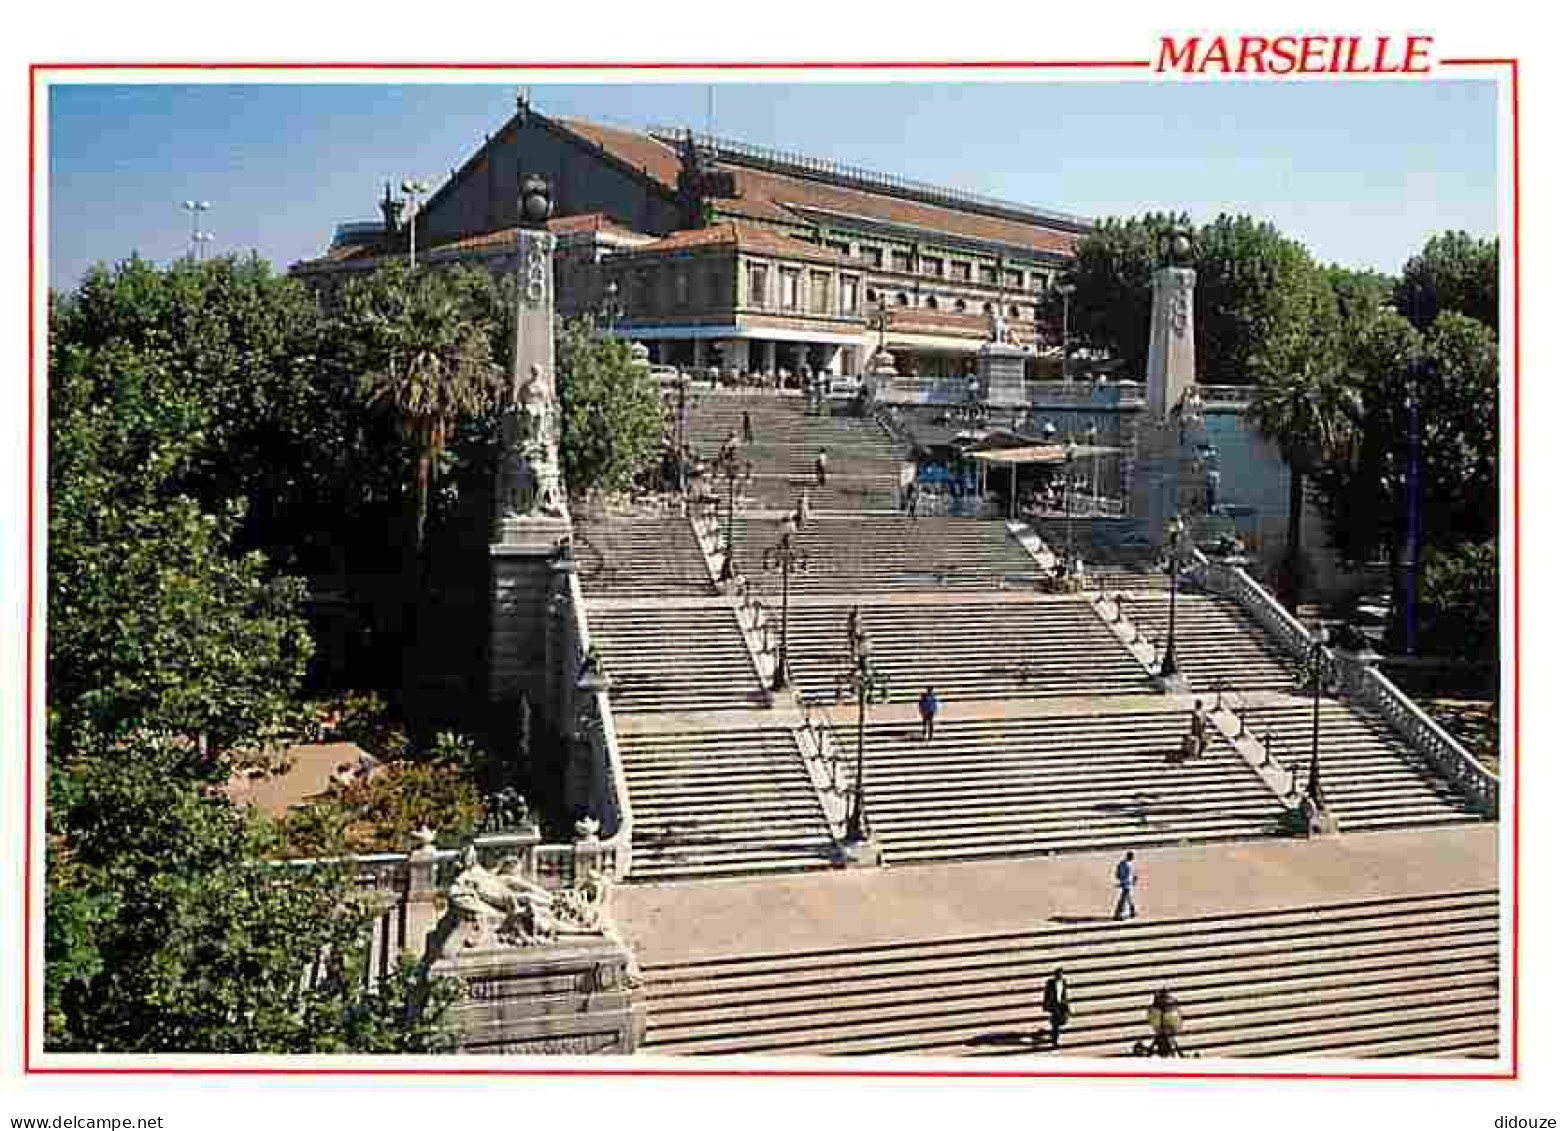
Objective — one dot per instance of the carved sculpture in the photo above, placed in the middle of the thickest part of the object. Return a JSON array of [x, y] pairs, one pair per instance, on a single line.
[[489, 910]]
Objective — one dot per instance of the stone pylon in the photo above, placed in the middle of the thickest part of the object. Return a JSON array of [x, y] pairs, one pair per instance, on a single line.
[[1170, 433], [531, 521]]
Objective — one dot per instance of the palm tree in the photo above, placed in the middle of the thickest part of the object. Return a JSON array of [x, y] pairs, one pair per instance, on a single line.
[[1306, 405], [426, 357]]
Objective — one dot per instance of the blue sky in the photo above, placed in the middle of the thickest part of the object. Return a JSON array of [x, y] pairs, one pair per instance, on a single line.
[[1361, 172]]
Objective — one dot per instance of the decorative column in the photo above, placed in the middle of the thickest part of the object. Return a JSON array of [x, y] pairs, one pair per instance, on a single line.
[[531, 521], [1169, 477]]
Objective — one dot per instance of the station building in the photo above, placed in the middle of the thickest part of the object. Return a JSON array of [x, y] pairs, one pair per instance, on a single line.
[[718, 253]]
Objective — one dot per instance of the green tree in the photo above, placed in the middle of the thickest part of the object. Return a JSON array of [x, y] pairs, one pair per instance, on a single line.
[[1459, 606], [173, 654], [233, 385], [1454, 272], [153, 622], [1112, 268], [611, 418], [1451, 370], [1252, 283], [1305, 406], [164, 935], [423, 348], [1254, 287]]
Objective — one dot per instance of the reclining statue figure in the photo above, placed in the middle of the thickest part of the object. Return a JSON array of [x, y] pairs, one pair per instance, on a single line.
[[488, 909]]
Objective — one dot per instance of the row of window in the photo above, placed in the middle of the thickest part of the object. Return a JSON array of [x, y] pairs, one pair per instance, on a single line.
[[803, 291], [958, 270], [958, 305]]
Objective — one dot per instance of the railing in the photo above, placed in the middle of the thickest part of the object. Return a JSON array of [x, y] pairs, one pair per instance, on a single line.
[[550, 865], [1373, 690], [609, 797], [1240, 586], [1360, 682], [783, 161], [836, 764]]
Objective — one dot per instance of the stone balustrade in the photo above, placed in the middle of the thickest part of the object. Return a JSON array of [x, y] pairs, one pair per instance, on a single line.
[[608, 797], [1358, 681], [1365, 685]]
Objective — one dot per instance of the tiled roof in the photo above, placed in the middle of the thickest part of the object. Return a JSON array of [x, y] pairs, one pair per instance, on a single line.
[[777, 190], [774, 196], [747, 237], [635, 149]]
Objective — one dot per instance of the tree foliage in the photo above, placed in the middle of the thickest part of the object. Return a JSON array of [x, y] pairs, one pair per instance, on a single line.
[[176, 400], [611, 418], [1459, 612], [1454, 272], [1252, 282], [422, 346], [1304, 405], [164, 935]]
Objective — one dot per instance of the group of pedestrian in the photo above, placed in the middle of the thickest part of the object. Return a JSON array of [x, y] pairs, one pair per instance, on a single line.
[[1056, 1002]]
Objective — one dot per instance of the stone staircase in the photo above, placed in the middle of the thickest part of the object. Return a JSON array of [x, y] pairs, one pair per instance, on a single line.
[[640, 557], [863, 463], [1215, 642], [1055, 783], [722, 802], [1409, 976], [888, 553], [690, 657], [968, 648], [1370, 776]]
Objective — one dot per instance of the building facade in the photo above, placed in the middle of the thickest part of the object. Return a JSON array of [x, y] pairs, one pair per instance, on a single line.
[[757, 261]]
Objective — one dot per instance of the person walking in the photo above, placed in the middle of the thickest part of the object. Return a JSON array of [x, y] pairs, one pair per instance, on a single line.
[[1197, 736], [1057, 1005], [929, 705], [1126, 880], [745, 427], [821, 467]]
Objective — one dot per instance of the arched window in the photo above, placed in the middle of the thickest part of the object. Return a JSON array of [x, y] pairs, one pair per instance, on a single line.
[[1014, 312], [931, 303], [988, 308], [903, 299], [960, 305]]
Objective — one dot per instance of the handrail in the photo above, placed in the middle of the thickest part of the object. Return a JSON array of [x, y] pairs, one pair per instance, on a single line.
[[1373, 690], [610, 795], [1361, 682]]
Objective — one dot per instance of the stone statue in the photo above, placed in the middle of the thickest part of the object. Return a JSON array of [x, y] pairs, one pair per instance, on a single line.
[[998, 327], [489, 910]]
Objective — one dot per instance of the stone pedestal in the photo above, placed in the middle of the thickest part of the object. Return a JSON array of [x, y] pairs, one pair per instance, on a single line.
[[1000, 371], [522, 581], [570, 999], [860, 853]]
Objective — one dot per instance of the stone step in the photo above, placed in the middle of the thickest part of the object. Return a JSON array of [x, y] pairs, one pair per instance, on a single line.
[[1397, 977]]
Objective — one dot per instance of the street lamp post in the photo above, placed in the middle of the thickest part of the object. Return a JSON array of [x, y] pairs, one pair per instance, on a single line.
[[862, 677], [1164, 1018], [784, 557], [1169, 668], [412, 191], [734, 471], [1411, 554], [1093, 463], [610, 309], [197, 237], [1066, 291], [1319, 646], [1071, 455]]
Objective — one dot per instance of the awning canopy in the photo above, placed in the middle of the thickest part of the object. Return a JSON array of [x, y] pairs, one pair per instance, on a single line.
[[1041, 453]]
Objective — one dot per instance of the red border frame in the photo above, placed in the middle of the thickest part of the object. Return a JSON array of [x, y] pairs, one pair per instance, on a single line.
[[28, 1068]]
